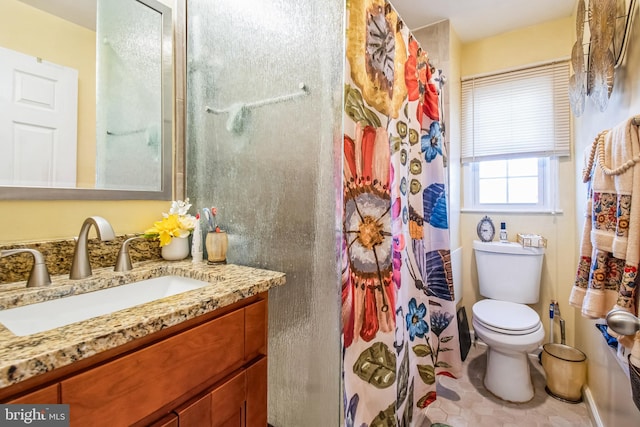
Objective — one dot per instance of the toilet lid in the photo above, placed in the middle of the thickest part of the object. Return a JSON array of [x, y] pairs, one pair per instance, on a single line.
[[506, 317]]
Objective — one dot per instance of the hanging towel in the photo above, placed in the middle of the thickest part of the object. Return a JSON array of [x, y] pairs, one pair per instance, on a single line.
[[610, 247], [581, 283]]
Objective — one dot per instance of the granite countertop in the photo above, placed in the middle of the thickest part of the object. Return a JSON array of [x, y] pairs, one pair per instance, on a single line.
[[27, 356]]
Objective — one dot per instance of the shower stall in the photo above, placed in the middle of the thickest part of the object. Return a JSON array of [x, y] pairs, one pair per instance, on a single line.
[[272, 166]]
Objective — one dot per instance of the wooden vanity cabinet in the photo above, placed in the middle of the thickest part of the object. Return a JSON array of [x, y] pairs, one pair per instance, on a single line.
[[211, 374], [170, 420], [49, 394]]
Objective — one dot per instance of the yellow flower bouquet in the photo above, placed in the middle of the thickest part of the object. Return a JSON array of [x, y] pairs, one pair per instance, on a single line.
[[176, 223]]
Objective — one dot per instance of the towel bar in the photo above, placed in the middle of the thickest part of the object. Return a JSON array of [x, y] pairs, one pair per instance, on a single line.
[[239, 111]]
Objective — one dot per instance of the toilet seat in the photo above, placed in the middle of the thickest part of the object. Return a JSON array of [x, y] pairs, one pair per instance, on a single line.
[[505, 317]]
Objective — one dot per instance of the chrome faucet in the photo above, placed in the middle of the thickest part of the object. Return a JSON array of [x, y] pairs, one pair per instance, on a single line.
[[123, 260], [39, 275], [80, 267]]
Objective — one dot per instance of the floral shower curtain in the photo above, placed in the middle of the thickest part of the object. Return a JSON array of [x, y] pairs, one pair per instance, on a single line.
[[398, 315]]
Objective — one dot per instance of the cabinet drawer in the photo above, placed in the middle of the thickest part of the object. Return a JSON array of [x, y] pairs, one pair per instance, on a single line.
[[44, 395], [129, 388]]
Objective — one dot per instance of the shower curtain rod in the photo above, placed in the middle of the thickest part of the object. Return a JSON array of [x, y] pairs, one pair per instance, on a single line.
[[304, 90]]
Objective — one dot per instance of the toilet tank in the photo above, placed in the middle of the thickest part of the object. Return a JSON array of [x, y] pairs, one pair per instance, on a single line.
[[508, 271]]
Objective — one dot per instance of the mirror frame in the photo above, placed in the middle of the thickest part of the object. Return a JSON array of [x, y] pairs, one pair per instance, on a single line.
[[169, 138]]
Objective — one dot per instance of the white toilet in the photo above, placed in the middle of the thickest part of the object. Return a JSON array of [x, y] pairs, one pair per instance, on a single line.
[[509, 276]]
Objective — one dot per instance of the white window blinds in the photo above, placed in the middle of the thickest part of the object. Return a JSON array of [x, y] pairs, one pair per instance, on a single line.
[[517, 113]]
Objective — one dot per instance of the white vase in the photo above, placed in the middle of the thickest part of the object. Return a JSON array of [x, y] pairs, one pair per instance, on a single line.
[[176, 250]]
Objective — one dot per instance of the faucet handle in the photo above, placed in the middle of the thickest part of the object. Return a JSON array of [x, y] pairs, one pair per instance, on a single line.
[[123, 260], [39, 275]]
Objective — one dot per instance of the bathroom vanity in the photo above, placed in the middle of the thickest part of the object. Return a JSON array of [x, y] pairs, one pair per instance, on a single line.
[[198, 358]]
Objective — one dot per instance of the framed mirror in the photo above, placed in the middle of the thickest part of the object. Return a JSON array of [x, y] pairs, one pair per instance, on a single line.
[[86, 99]]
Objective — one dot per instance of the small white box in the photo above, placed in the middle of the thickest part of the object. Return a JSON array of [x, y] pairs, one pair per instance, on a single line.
[[532, 240]]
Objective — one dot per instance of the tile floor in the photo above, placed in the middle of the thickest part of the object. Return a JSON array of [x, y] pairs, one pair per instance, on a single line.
[[466, 403]]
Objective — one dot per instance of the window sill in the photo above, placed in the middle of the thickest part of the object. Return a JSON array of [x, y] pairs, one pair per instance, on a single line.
[[513, 211]]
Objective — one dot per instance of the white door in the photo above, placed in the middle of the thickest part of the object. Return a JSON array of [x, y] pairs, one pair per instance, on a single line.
[[38, 122]]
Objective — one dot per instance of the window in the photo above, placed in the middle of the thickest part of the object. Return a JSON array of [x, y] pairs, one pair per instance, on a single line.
[[522, 184], [515, 125]]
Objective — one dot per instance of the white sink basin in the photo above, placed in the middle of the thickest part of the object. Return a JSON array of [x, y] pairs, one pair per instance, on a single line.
[[43, 316]]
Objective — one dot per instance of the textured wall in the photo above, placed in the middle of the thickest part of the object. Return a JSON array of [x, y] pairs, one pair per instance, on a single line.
[[608, 383], [275, 182]]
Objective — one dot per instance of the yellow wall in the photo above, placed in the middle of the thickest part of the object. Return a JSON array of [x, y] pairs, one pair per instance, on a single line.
[[33, 32], [534, 44], [529, 45], [29, 30], [28, 221]]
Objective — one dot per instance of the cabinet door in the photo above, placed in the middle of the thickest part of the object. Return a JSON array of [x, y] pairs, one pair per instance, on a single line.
[[44, 395], [220, 407], [257, 394], [170, 420], [228, 403], [196, 413]]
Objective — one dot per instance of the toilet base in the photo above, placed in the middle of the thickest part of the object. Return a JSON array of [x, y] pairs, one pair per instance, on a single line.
[[508, 376]]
